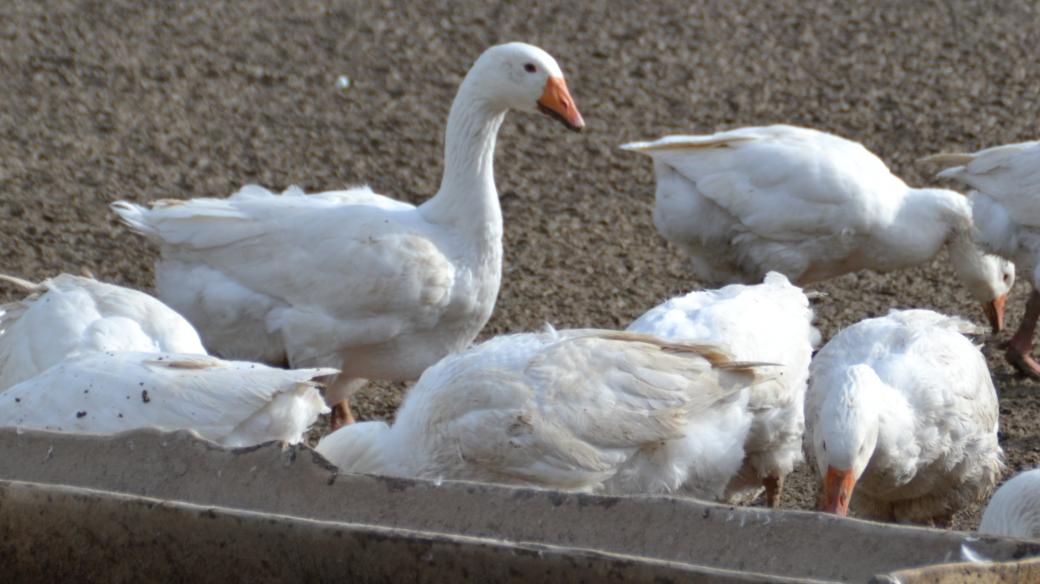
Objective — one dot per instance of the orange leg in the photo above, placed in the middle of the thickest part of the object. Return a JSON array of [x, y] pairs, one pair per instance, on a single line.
[[774, 488], [1020, 347], [341, 415]]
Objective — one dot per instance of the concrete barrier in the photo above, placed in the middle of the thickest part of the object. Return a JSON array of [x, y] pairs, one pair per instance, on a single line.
[[670, 533], [54, 533]]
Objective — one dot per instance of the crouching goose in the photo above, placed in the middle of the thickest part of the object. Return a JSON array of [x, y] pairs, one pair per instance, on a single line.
[[902, 417], [578, 410]]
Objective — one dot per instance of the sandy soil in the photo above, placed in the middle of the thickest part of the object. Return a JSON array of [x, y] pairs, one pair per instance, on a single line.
[[109, 100]]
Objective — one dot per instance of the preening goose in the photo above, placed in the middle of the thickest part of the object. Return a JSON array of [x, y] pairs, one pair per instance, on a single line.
[[1014, 510], [810, 205], [769, 322], [231, 403], [375, 287], [1006, 210], [902, 417], [584, 410], [68, 315]]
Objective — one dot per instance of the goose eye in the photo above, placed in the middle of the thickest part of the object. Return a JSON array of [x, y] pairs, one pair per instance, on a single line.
[[530, 67], [1007, 278]]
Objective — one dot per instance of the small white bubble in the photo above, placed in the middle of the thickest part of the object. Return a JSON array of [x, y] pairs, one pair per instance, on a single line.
[[342, 82]]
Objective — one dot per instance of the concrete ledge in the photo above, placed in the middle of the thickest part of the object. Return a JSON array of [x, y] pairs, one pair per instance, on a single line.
[[299, 483], [58, 533]]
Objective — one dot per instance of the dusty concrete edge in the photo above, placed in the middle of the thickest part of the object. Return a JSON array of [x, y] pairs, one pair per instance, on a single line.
[[298, 482], [25, 494]]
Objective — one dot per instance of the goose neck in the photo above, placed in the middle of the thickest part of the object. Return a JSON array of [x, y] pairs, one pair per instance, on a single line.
[[467, 193]]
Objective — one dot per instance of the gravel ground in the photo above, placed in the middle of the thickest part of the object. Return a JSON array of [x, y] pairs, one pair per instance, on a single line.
[[108, 100]]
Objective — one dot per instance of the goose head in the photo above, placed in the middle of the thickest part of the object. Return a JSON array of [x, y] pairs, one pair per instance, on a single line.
[[845, 436], [988, 278], [523, 77]]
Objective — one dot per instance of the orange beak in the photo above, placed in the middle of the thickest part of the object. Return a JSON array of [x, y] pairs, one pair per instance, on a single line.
[[837, 491], [556, 101], [995, 313]]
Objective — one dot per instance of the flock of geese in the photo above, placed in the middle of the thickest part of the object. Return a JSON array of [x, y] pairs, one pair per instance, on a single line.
[[716, 394]]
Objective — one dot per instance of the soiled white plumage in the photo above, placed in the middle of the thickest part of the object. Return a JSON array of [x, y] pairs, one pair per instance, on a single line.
[[232, 403], [375, 287], [807, 204], [906, 404], [769, 322], [68, 315], [1014, 510], [575, 410]]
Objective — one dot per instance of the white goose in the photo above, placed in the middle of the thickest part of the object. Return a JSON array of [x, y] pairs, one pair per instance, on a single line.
[[811, 206], [1014, 510], [902, 410], [1006, 206], [231, 403], [769, 322], [350, 279], [581, 410], [68, 315]]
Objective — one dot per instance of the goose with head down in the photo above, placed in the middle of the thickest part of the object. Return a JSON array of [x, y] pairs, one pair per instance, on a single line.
[[1006, 213], [768, 322], [902, 419], [810, 205], [580, 410], [372, 286]]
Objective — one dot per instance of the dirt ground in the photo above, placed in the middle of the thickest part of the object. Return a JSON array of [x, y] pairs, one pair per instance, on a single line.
[[102, 100]]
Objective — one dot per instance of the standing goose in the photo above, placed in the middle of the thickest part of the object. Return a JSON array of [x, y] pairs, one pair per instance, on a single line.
[[902, 413], [583, 410], [377, 288], [1006, 208], [231, 403], [1014, 510], [769, 322], [68, 315], [811, 206]]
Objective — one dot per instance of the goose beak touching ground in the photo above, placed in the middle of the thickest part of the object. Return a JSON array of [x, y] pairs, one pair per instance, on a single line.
[[837, 491], [556, 102], [995, 312]]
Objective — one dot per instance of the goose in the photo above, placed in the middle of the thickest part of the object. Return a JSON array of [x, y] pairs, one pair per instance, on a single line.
[[902, 413], [1006, 212], [374, 287], [231, 403], [810, 205], [767, 322], [576, 410], [68, 314], [1014, 510]]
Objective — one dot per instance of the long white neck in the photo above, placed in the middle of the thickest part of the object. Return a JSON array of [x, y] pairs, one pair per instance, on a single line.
[[925, 220], [467, 196]]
